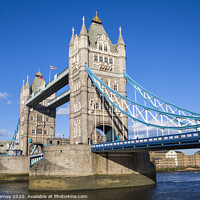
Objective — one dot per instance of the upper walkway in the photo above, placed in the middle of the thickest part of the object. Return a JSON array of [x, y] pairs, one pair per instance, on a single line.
[[50, 88]]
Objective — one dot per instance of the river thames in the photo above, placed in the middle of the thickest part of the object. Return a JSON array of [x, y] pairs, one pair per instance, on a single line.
[[170, 186]]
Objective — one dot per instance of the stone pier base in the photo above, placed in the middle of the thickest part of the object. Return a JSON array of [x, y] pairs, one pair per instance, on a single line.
[[75, 167], [88, 182], [14, 168]]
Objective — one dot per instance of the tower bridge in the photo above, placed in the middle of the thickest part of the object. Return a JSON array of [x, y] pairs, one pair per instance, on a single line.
[[97, 79]]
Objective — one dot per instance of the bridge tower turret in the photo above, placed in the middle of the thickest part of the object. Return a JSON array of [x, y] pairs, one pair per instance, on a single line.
[[88, 110], [24, 115], [36, 123]]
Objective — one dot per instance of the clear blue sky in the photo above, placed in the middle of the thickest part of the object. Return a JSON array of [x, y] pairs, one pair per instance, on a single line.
[[162, 41]]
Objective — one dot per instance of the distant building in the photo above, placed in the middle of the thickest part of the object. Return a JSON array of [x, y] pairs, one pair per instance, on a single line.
[[58, 141], [189, 161], [173, 159], [4, 146], [98, 138], [172, 154], [197, 158], [180, 159]]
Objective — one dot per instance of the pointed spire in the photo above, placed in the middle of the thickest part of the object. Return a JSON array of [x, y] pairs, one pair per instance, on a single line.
[[27, 82], [120, 39], [22, 86], [72, 38], [96, 19], [83, 29]]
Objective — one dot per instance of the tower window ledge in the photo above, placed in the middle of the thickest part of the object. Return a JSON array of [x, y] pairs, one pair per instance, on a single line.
[[93, 48]]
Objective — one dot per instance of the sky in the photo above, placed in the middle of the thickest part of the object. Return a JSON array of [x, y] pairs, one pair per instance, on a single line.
[[162, 42]]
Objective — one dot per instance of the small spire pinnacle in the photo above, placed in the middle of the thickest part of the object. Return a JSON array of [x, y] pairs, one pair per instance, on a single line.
[[120, 30], [120, 39], [96, 19], [27, 82], [23, 85], [72, 38], [83, 20], [83, 29], [39, 73]]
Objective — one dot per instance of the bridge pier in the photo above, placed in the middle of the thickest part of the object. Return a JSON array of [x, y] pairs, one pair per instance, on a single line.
[[75, 167], [14, 168]]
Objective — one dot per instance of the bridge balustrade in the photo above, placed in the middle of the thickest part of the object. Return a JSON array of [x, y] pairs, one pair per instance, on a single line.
[[189, 140]]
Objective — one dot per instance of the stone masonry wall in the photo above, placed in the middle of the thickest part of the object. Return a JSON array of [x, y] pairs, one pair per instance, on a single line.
[[75, 167], [14, 165]]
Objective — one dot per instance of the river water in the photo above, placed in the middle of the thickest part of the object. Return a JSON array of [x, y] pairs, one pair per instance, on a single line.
[[170, 186]]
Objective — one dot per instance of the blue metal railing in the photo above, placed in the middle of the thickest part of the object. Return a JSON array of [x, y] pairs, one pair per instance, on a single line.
[[35, 158], [151, 142], [94, 77]]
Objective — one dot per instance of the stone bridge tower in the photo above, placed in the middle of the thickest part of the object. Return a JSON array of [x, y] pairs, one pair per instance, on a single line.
[[88, 111], [36, 123]]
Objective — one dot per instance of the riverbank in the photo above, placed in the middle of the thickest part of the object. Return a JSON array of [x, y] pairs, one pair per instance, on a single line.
[[14, 177], [178, 169]]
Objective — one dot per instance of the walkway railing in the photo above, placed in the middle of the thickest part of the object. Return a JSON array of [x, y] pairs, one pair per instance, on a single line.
[[48, 85], [150, 113], [179, 140], [35, 158]]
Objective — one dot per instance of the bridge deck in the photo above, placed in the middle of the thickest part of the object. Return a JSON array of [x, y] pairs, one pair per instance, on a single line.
[[178, 141], [57, 83], [59, 100]]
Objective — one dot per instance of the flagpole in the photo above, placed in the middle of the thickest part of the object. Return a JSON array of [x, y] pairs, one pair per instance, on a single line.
[[49, 74]]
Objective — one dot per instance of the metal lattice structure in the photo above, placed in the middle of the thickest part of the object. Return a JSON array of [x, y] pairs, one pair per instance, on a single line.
[[11, 146], [33, 149], [155, 113]]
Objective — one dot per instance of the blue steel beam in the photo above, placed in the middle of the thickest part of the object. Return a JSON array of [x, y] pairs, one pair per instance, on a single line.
[[134, 83], [94, 77], [12, 143], [178, 141]]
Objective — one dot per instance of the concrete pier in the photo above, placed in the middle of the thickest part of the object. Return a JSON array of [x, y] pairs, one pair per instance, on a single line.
[[75, 167], [14, 168]]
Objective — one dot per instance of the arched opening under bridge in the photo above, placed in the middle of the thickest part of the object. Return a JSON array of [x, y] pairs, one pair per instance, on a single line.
[[36, 148], [104, 133]]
